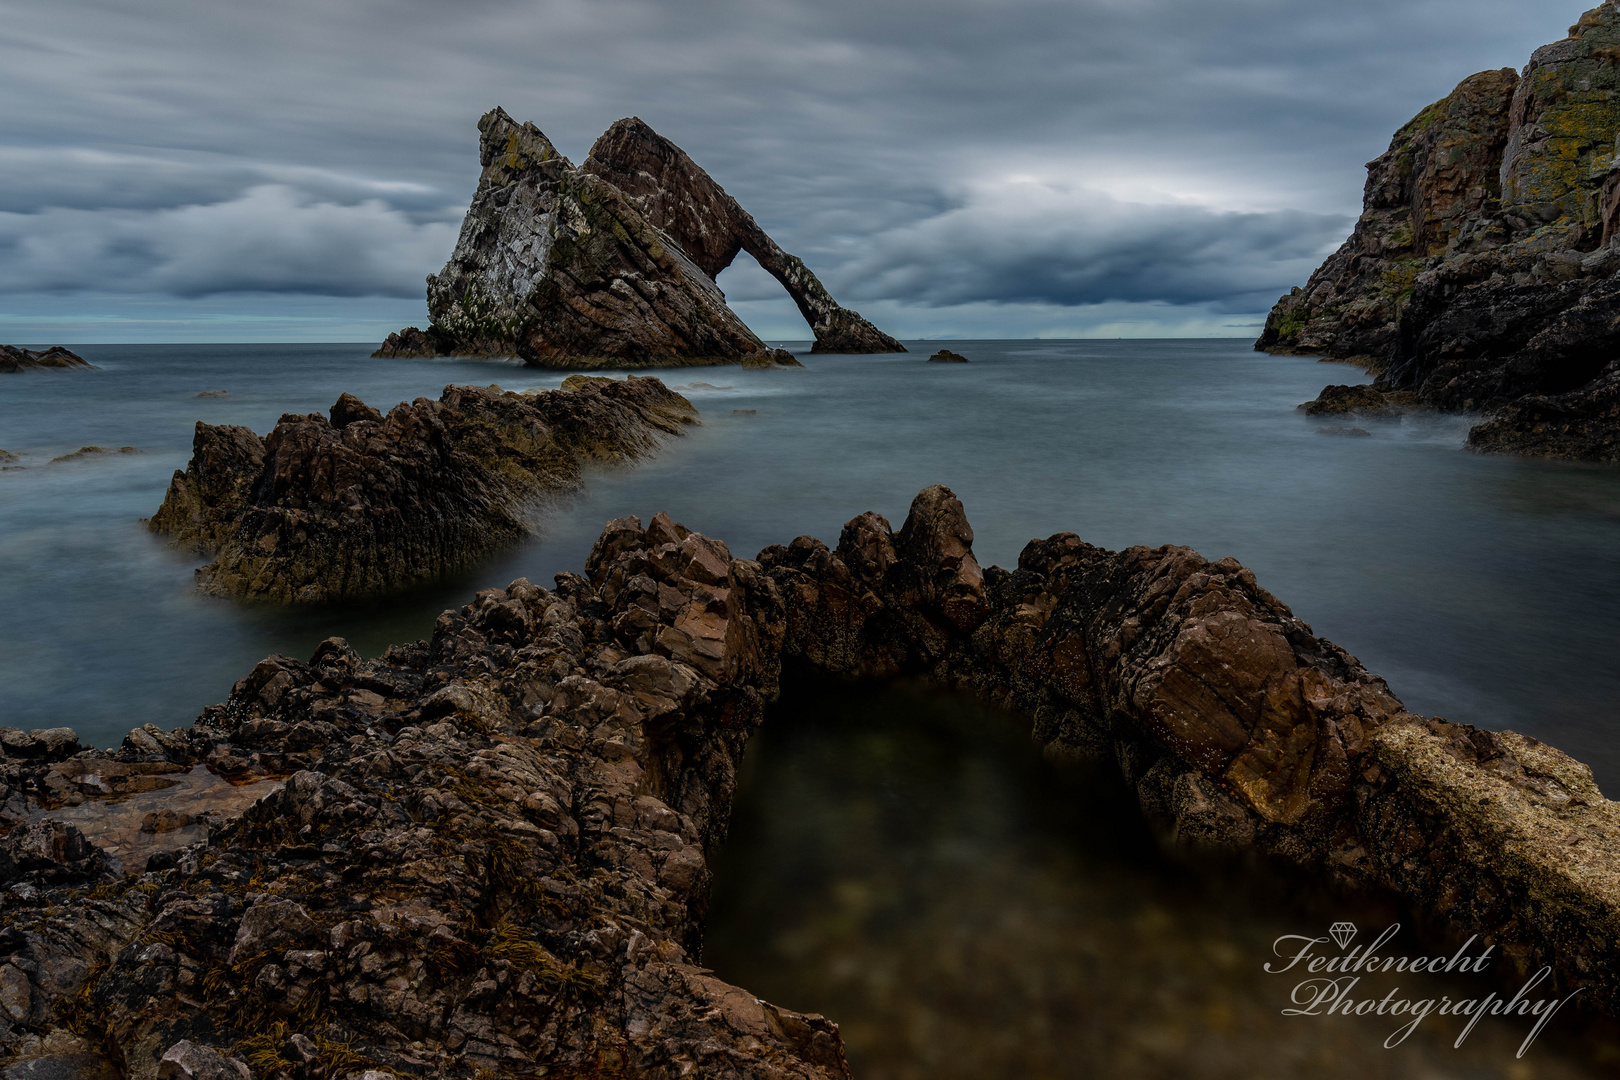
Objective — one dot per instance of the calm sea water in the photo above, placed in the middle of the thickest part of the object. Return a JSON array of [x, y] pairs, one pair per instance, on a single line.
[[1485, 589], [899, 861]]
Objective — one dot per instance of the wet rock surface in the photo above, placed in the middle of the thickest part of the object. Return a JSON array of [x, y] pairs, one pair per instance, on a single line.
[[492, 848], [946, 356], [611, 264], [359, 503], [1481, 275], [14, 358], [1365, 399]]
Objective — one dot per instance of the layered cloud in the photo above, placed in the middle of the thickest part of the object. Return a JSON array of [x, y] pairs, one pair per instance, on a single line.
[[969, 156], [270, 238], [1027, 242]]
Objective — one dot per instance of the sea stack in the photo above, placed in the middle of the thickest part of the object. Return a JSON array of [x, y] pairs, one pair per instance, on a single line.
[[1481, 275], [611, 264]]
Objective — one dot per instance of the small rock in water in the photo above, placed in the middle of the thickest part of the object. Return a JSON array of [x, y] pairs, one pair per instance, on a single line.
[[214, 393], [743, 412], [166, 820], [1337, 430], [774, 358], [945, 356], [94, 451], [700, 386]]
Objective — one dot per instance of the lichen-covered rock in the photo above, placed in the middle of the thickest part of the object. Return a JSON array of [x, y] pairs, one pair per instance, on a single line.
[[684, 201], [611, 264], [360, 503], [1424, 195], [492, 853], [14, 358], [1481, 274]]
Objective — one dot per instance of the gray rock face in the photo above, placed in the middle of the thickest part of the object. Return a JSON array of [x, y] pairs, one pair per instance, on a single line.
[[608, 265]]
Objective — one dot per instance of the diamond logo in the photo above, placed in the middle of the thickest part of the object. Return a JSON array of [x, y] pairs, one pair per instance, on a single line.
[[1342, 932]]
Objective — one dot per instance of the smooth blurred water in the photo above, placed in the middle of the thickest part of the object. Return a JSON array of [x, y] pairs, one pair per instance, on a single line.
[[1484, 588], [903, 862]]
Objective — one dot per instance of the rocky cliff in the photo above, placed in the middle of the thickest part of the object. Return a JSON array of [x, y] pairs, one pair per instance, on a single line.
[[13, 358], [608, 265], [491, 853], [358, 504], [1481, 273]]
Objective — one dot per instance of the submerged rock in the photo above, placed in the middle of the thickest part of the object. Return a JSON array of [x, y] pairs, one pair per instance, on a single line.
[[611, 264], [1337, 400], [1481, 274], [494, 847], [945, 356], [94, 451], [360, 503], [775, 358], [14, 358]]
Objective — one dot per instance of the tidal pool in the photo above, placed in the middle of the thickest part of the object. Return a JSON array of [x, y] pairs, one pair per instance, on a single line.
[[904, 862]]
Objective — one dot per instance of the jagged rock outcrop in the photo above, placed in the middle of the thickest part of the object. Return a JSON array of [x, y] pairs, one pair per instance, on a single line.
[[360, 504], [493, 849], [611, 264], [14, 358], [684, 201], [1481, 274]]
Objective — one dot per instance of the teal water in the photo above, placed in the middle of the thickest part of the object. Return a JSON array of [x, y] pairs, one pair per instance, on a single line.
[[1485, 589]]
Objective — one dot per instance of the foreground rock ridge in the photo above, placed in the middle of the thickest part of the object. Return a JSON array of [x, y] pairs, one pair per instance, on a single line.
[[611, 264], [14, 358], [492, 851], [361, 504], [1481, 275]]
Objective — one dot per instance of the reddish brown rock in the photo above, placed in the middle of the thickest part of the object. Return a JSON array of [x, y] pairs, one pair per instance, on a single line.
[[684, 201]]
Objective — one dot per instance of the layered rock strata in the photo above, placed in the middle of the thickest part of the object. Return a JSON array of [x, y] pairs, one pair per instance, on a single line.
[[13, 358], [611, 264], [680, 198], [1481, 274], [358, 504], [492, 851]]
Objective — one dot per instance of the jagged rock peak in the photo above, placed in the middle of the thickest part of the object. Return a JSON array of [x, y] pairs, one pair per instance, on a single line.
[[511, 147]]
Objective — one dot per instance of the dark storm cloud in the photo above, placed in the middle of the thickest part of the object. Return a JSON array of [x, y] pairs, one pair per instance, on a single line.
[[955, 153]]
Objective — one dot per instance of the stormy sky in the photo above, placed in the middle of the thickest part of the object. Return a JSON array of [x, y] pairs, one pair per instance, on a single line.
[[185, 170]]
